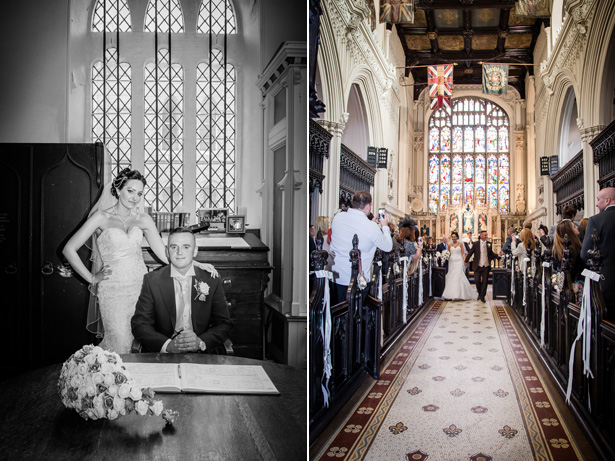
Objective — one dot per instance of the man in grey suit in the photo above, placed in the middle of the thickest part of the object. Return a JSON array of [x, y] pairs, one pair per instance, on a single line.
[[483, 255], [604, 222]]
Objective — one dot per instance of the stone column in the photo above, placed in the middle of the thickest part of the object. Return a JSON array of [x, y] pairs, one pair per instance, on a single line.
[[520, 171], [331, 168], [590, 171]]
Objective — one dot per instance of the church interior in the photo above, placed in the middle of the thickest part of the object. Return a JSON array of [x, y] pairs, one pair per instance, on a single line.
[[465, 116]]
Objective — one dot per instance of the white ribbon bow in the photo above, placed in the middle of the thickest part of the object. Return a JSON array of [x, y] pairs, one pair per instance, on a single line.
[[325, 330], [542, 318], [584, 329], [421, 281], [405, 292], [525, 260]]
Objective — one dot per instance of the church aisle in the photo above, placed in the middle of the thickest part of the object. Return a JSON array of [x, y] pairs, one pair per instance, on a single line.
[[461, 387]]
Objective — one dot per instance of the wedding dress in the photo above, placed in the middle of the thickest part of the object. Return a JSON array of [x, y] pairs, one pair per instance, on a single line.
[[457, 285], [118, 295]]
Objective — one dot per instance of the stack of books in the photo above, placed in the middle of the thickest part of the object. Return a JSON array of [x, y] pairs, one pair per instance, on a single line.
[[166, 221]]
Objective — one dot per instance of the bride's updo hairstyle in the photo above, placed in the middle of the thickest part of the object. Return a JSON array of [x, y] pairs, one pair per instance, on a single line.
[[455, 233], [123, 177]]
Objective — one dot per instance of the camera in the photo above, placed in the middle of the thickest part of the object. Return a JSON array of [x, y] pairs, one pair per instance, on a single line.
[[380, 214]]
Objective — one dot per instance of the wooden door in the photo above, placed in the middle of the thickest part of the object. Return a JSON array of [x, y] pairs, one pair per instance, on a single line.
[[66, 180], [14, 258]]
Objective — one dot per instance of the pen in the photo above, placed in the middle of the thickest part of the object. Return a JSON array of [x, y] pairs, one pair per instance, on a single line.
[[177, 332]]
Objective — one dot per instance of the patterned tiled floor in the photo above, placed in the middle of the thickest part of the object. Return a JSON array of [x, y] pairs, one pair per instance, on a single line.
[[461, 387]]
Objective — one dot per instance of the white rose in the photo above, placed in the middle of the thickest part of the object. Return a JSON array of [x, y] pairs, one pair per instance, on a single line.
[[109, 379], [124, 391], [92, 414], [112, 414], [101, 358], [141, 407], [74, 381], [81, 392], [83, 369], [96, 350], [135, 393], [157, 407], [119, 403], [91, 390], [106, 368], [90, 359], [98, 378], [113, 390]]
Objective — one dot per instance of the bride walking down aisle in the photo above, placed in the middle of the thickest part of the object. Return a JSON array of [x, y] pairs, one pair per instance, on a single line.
[[457, 285]]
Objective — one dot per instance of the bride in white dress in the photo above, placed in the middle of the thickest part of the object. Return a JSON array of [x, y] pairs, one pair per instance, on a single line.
[[457, 285], [117, 225]]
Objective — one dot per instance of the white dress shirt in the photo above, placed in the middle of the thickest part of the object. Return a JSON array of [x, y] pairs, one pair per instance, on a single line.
[[345, 225], [182, 285]]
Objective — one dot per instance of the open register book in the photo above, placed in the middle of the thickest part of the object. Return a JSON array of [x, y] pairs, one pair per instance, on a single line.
[[207, 379]]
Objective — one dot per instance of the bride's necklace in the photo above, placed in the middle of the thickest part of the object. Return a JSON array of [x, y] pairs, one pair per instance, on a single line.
[[120, 218]]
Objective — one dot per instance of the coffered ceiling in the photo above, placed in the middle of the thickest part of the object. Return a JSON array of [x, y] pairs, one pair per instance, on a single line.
[[468, 32]]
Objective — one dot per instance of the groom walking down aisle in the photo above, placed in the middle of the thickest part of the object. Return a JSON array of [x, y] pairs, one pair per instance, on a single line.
[[182, 308], [483, 255]]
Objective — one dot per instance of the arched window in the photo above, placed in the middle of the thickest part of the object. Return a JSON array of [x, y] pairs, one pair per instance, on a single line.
[[469, 156], [184, 173], [216, 17]]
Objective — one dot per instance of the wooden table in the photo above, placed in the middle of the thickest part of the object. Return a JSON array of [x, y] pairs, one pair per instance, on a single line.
[[35, 424]]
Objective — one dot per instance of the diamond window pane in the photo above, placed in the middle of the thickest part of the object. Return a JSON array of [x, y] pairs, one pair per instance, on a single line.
[[116, 16], [111, 108], [217, 17], [163, 15], [164, 133], [215, 132]]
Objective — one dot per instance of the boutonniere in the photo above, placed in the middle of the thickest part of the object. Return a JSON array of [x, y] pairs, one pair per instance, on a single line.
[[202, 290]]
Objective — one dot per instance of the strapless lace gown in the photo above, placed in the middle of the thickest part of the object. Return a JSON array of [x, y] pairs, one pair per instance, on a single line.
[[118, 295], [457, 285]]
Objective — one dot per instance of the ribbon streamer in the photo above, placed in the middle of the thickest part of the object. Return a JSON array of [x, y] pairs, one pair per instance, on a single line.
[[421, 281], [325, 330], [584, 329], [512, 280], [542, 318], [405, 301], [525, 260], [430, 295]]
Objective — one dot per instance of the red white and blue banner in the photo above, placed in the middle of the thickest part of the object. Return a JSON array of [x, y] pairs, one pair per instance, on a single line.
[[440, 80]]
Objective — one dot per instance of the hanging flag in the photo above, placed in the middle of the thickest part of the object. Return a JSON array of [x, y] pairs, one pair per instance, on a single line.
[[440, 80], [533, 8], [495, 78], [397, 11]]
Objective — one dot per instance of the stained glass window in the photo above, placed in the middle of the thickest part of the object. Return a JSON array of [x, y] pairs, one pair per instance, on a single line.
[[470, 129]]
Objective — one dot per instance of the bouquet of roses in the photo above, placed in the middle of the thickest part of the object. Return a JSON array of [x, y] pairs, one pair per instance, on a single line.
[[445, 255], [96, 384]]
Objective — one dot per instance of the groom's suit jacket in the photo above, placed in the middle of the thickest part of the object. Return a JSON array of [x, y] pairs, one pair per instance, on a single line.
[[155, 313], [475, 250]]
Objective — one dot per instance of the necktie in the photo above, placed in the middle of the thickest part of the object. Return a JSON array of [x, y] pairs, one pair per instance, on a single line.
[[179, 319]]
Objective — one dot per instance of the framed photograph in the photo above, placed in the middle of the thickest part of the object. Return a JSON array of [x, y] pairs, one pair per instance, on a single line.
[[216, 217], [236, 225]]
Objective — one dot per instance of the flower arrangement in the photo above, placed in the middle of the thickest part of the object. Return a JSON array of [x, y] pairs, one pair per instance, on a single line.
[[202, 290], [444, 256], [95, 383]]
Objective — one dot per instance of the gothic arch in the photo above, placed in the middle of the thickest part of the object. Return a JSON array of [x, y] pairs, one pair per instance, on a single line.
[[563, 82], [598, 67], [363, 78], [330, 74]]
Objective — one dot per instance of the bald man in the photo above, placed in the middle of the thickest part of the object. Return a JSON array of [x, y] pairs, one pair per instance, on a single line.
[[604, 222]]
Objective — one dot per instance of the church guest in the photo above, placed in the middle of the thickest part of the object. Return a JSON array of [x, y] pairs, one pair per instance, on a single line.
[[604, 222], [566, 228], [543, 232], [481, 264], [440, 248], [371, 236], [582, 228], [508, 244], [321, 224], [568, 213], [520, 246]]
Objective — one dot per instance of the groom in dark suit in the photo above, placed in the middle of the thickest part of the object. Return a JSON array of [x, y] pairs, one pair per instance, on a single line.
[[604, 222], [181, 308], [483, 255]]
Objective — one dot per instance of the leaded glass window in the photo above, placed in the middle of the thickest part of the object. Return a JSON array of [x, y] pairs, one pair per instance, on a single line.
[[215, 175], [476, 132], [164, 15], [111, 16], [216, 17]]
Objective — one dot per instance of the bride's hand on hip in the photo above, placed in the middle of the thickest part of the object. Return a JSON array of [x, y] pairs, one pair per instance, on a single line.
[[102, 274]]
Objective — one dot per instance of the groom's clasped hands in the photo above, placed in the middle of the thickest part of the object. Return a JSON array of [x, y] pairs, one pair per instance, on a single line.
[[186, 341]]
